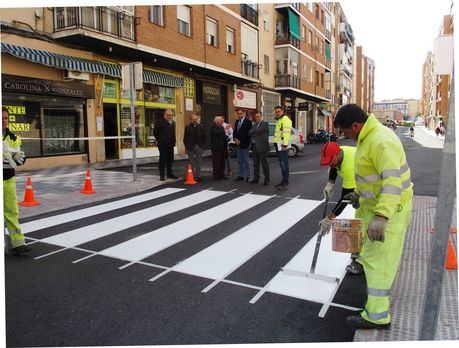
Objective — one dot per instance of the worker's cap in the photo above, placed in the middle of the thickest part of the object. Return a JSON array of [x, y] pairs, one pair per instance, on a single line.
[[329, 150]]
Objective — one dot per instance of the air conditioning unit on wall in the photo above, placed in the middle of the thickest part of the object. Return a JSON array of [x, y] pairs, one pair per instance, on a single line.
[[75, 75]]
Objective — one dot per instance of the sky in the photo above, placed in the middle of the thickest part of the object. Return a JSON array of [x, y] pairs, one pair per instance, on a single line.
[[396, 34]]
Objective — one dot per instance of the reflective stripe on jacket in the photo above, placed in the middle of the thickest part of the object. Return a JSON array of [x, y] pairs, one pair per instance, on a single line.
[[382, 175], [14, 146], [346, 170], [283, 130]]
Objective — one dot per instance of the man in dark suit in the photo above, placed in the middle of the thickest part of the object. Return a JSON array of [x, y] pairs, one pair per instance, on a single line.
[[164, 133], [242, 141], [193, 139], [219, 147], [260, 147]]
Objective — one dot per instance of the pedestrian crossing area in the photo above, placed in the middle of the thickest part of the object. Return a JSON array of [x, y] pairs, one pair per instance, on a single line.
[[224, 232]]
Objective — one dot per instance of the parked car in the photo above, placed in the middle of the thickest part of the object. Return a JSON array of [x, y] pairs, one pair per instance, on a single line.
[[296, 140]]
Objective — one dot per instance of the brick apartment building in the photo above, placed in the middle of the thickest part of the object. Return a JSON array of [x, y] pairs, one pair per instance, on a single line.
[[61, 71]]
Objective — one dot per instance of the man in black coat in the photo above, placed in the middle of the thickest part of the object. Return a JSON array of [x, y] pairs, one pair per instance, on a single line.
[[219, 147], [194, 143], [164, 133], [260, 148], [242, 140]]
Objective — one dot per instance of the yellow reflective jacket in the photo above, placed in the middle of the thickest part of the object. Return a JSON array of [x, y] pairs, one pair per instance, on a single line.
[[283, 130], [382, 175], [346, 169]]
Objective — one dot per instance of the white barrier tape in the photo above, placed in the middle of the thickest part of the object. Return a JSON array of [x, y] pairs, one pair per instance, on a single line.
[[82, 138]]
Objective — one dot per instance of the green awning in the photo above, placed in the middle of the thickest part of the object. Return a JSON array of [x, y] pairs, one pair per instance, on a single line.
[[294, 24], [327, 50]]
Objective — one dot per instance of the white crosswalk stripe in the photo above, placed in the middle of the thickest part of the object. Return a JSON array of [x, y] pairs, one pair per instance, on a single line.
[[101, 229], [98, 209]]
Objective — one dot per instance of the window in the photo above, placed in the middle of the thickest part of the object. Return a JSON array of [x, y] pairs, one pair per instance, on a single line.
[[322, 16], [322, 80], [309, 6], [230, 40], [304, 72], [156, 14], [266, 64], [184, 19], [309, 37], [211, 31], [321, 47], [303, 33], [266, 23], [317, 12], [317, 43], [317, 78], [311, 77]]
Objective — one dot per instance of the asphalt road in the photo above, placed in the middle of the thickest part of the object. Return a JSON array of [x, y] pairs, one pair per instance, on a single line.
[[61, 299]]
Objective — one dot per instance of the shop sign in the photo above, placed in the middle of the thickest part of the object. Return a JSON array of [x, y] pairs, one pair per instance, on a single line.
[[20, 84], [211, 94], [245, 99]]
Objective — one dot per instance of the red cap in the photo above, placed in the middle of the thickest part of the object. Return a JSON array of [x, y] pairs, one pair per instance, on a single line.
[[329, 150]]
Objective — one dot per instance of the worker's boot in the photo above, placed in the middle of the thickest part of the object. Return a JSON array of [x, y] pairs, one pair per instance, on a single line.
[[20, 250], [354, 268], [357, 322]]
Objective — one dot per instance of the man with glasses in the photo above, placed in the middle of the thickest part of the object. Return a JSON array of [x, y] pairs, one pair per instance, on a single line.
[[242, 140]]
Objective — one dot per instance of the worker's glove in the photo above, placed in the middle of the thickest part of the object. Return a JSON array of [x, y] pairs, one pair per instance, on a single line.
[[325, 225], [328, 190], [19, 157], [7, 155], [376, 229], [354, 198]]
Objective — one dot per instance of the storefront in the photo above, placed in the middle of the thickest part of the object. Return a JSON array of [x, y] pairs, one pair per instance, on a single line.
[[41, 111], [160, 92]]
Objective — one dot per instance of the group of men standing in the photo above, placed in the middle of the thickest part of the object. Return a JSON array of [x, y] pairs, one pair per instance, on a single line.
[[246, 134]]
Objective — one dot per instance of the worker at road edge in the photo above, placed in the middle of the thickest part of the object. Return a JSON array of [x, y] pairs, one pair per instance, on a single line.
[[384, 192]]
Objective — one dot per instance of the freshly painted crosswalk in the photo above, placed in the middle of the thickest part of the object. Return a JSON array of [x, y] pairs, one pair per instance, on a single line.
[[39, 224], [216, 261], [101, 229]]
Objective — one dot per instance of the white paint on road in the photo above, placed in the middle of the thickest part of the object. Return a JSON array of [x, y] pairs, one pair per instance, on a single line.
[[329, 263], [153, 242], [104, 228], [39, 224], [224, 257]]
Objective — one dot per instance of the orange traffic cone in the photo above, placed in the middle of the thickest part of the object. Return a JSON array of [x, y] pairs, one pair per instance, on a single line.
[[189, 177], [451, 260], [87, 189], [29, 198]]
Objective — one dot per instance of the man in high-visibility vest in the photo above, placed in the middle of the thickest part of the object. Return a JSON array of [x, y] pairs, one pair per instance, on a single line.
[[341, 162], [384, 192], [282, 143], [12, 157]]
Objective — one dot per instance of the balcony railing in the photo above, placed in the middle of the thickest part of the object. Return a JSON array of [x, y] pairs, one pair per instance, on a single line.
[[328, 63], [102, 19], [249, 68], [287, 81], [249, 13], [295, 5], [328, 34], [287, 38], [328, 94]]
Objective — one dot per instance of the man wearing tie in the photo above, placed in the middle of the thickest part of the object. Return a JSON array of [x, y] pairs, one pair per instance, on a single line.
[[260, 148], [242, 141]]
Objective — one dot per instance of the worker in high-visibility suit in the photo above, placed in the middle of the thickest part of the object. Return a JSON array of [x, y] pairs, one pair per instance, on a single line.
[[282, 134], [384, 192], [341, 162], [12, 157]]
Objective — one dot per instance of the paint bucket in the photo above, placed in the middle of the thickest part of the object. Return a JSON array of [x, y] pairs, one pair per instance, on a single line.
[[347, 235]]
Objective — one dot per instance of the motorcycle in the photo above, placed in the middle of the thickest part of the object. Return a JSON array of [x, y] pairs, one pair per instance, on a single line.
[[321, 136]]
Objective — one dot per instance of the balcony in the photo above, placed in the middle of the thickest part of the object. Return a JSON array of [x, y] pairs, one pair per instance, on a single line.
[[286, 39], [328, 63], [346, 33], [249, 13], [104, 20], [287, 81], [328, 34], [249, 68]]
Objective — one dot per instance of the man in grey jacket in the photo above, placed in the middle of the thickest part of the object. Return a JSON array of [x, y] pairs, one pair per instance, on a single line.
[[259, 134]]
